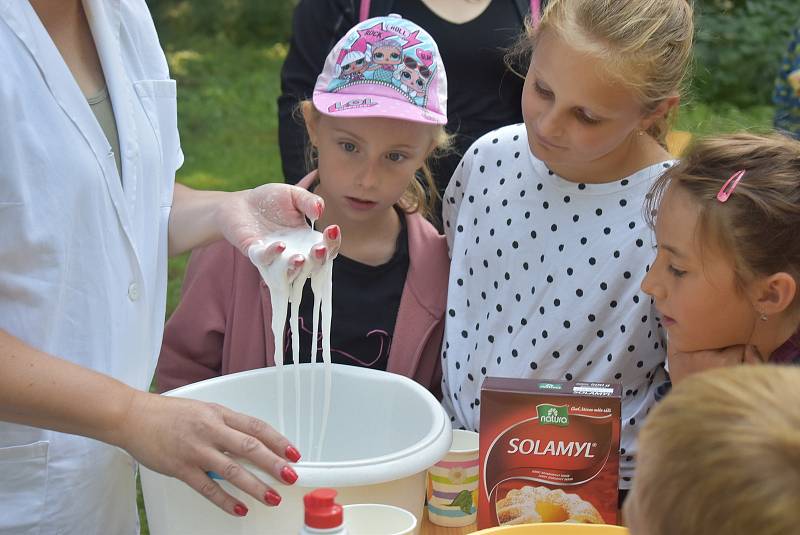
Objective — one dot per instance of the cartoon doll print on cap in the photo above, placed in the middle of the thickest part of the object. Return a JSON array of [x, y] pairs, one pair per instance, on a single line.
[[385, 61]]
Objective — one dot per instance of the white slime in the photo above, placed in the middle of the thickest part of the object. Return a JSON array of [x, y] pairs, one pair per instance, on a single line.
[[283, 293]]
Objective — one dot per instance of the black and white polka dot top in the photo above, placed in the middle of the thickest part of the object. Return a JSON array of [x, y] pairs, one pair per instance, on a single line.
[[544, 281]]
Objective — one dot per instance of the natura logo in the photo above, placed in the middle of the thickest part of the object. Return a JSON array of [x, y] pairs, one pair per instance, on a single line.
[[549, 386], [553, 415]]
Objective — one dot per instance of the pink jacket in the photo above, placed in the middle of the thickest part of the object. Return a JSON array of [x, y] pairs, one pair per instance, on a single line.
[[223, 322]]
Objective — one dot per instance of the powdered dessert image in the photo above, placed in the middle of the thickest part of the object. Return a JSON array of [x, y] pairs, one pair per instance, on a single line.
[[540, 504]]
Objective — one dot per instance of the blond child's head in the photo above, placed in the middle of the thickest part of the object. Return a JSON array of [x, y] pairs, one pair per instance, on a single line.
[[721, 454], [643, 44], [728, 263], [388, 157], [602, 79]]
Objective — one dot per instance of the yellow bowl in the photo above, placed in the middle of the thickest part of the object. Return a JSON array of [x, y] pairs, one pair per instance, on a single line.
[[554, 529]]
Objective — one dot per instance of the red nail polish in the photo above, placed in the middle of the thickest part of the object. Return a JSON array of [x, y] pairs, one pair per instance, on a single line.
[[288, 475], [240, 509], [319, 209], [320, 252], [333, 233], [272, 498], [292, 454], [280, 247]]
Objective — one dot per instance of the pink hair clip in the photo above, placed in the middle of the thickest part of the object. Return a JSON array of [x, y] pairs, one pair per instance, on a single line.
[[727, 188]]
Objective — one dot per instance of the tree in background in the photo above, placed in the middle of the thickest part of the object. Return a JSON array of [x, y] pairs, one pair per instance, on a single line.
[[738, 48]]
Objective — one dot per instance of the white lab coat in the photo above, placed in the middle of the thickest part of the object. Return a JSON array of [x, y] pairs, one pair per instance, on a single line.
[[82, 259]]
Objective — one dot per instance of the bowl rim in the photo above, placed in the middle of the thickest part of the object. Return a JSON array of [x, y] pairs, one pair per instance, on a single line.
[[418, 457]]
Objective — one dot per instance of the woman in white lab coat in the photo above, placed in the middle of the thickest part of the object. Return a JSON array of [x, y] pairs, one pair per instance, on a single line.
[[88, 214]]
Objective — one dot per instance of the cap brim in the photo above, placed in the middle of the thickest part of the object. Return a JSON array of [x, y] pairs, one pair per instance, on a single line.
[[354, 105]]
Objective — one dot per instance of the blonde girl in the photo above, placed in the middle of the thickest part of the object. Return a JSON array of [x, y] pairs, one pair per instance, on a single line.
[[371, 147], [544, 219]]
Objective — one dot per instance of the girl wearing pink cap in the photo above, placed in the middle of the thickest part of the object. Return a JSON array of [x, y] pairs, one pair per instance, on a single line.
[[371, 141]]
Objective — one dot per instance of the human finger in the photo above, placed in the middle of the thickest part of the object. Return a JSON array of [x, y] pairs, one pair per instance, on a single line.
[[262, 445], [264, 256], [198, 480], [752, 355], [729, 356], [295, 266], [309, 204], [227, 468], [318, 255], [332, 237]]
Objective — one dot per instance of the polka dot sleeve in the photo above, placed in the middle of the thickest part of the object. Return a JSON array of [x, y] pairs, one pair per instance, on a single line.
[[454, 194]]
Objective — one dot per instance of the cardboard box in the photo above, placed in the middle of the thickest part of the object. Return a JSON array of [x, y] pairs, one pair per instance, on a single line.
[[549, 452]]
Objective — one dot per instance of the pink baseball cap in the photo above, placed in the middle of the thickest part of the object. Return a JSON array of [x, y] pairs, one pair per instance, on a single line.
[[384, 67]]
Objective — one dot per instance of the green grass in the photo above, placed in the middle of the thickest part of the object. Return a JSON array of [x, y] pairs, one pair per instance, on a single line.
[[228, 124], [227, 113]]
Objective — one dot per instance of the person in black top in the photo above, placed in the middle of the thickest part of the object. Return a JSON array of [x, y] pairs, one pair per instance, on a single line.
[[366, 304], [483, 94]]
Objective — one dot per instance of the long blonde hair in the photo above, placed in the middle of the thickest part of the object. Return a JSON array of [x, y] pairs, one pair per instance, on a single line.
[[421, 195], [646, 44], [721, 454]]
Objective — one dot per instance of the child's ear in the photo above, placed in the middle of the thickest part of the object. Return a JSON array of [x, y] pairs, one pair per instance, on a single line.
[[775, 293], [662, 110]]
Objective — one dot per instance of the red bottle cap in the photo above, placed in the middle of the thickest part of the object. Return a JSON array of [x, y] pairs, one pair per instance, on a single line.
[[321, 511]]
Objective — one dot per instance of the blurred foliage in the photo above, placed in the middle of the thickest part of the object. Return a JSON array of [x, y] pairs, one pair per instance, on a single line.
[[702, 119], [261, 22], [738, 48]]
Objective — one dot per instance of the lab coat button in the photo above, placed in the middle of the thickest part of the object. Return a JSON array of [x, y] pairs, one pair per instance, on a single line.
[[133, 291]]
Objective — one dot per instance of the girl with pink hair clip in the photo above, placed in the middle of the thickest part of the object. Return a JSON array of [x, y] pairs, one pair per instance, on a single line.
[[725, 280]]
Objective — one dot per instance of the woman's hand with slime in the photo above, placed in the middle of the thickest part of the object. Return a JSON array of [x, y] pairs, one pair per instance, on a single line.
[[253, 219]]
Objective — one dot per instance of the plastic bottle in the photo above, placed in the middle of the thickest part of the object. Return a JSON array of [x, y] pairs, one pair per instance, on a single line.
[[323, 514]]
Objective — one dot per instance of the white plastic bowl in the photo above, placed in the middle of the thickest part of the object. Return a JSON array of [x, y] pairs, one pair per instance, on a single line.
[[383, 432]]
